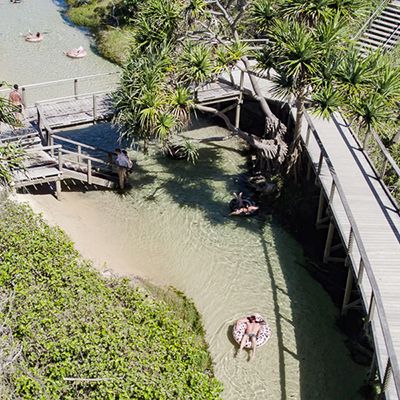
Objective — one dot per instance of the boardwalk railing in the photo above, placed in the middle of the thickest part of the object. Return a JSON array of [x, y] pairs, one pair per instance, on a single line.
[[382, 162], [361, 268], [64, 87]]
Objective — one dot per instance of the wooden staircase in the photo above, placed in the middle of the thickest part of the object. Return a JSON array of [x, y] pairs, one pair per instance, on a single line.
[[53, 163], [382, 30]]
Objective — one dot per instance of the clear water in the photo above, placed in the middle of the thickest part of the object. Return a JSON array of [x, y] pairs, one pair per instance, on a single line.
[[27, 63], [173, 228]]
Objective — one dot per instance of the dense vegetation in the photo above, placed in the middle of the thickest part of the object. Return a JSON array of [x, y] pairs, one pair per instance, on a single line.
[[176, 46], [67, 333]]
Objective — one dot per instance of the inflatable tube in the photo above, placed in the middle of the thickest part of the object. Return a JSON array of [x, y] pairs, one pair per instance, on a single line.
[[33, 38], [262, 337], [234, 204], [75, 54]]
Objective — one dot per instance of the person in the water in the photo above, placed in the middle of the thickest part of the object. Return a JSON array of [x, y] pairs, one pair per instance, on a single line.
[[252, 328]]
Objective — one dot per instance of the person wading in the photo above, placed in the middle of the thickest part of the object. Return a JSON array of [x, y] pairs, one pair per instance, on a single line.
[[122, 163], [16, 99]]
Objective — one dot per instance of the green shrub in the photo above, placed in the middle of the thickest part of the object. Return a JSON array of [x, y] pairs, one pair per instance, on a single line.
[[114, 44], [72, 323]]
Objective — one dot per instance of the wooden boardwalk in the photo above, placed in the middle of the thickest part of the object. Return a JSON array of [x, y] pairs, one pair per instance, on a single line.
[[369, 226], [74, 110], [52, 164]]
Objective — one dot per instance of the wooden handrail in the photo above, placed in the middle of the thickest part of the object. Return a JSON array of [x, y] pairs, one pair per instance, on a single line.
[[79, 96], [85, 157], [50, 83], [86, 146], [391, 354]]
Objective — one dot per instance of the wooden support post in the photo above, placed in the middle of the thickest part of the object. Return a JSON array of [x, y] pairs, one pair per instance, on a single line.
[[89, 171], [328, 243], [347, 291], [320, 206], [51, 140], [58, 189], [76, 88], [386, 380], [240, 99], [94, 108]]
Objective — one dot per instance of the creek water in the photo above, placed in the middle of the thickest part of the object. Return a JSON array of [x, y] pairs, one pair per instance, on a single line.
[[173, 228]]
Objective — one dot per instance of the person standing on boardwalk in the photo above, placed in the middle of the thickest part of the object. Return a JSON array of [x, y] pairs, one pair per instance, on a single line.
[[16, 99], [122, 163]]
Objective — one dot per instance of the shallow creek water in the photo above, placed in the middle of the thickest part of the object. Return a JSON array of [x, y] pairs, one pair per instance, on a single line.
[[173, 227]]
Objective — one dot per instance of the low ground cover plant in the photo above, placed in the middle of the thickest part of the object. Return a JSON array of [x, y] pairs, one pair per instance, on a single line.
[[68, 333]]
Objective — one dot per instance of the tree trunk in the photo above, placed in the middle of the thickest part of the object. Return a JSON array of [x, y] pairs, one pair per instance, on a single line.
[[299, 118], [273, 125]]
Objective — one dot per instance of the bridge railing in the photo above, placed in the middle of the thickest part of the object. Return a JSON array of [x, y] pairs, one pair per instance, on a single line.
[[36, 92], [361, 270]]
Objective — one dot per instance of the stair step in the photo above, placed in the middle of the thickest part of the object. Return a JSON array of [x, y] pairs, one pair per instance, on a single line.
[[379, 39], [391, 12], [378, 33], [388, 19], [379, 25], [375, 43]]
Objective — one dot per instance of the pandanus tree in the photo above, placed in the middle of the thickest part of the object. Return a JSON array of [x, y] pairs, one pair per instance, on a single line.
[[198, 39]]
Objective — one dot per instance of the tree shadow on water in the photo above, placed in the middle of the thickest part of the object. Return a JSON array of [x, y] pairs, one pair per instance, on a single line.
[[196, 185]]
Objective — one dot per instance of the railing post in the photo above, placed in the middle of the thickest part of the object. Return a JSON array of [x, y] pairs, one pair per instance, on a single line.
[[24, 97], [89, 171], [75, 87], [51, 140], [360, 272], [332, 192], [371, 309], [60, 160], [79, 153], [321, 157], [94, 108], [349, 246]]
